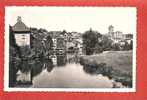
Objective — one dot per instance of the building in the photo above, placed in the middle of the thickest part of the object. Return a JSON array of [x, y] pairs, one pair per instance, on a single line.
[[116, 36], [111, 29], [21, 33], [59, 40], [128, 38], [59, 48]]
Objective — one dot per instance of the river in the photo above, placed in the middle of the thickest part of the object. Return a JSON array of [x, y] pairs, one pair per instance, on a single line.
[[70, 76], [65, 74]]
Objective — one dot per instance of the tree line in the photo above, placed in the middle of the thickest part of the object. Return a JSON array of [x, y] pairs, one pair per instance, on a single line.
[[94, 42]]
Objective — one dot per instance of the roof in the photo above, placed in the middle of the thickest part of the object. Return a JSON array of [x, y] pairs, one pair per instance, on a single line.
[[20, 26]]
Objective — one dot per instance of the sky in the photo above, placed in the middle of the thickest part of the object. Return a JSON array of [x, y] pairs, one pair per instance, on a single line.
[[79, 19]]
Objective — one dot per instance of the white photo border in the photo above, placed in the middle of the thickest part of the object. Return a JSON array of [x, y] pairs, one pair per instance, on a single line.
[[6, 65]]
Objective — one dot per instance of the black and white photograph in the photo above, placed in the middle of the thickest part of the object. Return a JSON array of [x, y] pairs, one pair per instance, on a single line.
[[70, 49]]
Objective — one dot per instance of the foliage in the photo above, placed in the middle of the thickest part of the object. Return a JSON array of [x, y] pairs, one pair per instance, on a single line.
[[118, 68], [14, 58], [21, 57], [131, 45], [106, 43], [116, 47], [90, 41], [126, 46], [48, 43]]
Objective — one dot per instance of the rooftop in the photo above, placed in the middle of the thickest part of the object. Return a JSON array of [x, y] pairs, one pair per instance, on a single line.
[[20, 26]]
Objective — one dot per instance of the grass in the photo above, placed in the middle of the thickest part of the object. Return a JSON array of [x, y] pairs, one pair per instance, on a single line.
[[120, 61]]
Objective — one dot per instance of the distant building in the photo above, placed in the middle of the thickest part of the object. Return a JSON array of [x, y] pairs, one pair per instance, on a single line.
[[111, 29], [79, 43], [128, 38], [116, 36], [74, 40], [61, 43], [21, 33], [59, 47], [59, 40]]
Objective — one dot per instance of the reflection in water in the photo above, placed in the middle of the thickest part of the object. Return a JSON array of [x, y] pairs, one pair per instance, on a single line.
[[44, 74], [38, 66], [49, 65], [90, 69], [61, 60], [70, 76], [30, 69]]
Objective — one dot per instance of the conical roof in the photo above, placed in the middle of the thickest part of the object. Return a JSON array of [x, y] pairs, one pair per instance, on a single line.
[[20, 26]]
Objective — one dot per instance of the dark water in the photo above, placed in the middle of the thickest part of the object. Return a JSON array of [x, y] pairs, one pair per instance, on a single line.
[[65, 72]]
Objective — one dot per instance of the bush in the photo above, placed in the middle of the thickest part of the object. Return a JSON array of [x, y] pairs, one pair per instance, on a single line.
[[116, 47], [90, 41], [94, 68]]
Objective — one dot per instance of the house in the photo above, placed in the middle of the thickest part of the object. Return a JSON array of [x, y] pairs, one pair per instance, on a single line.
[[59, 46], [59, 40], [21, 33], [115, 36]]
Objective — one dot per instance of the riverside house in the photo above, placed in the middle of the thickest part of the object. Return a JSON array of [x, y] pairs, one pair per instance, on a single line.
[[21, 33]]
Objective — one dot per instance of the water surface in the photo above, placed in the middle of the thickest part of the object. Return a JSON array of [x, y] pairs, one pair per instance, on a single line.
[[71, 75]]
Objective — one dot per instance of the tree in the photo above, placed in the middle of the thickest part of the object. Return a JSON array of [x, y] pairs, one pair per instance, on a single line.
[[90, 41], [116, 47], [11, 37], [63, 32], [106, 43], [126, 46], [41, 42], [14, 58], [131, 45], [48, 44]]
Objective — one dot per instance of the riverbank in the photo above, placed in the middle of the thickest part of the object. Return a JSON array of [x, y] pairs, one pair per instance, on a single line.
[[116, 65]]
